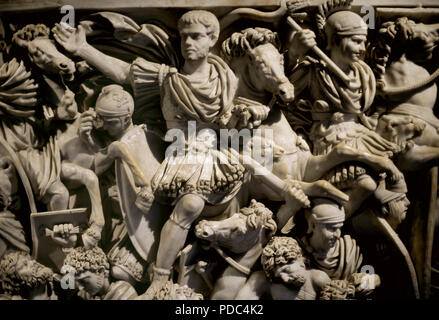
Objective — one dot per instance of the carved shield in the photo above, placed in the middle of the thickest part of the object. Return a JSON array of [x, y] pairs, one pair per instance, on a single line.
[[45, 250], [368, 225], [143, 228]]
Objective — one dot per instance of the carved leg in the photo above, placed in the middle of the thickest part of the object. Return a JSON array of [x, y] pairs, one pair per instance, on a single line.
[[228, 285], [317, 166], [255, 287], [57, 197], [172, 239], [231, 281], [418, 157], [76, 174]]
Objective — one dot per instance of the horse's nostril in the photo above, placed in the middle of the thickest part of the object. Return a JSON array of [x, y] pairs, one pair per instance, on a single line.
[[63, 65]]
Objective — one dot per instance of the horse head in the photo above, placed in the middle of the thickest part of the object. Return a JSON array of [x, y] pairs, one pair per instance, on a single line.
[[42, 51], [254, 55], [240, 232]]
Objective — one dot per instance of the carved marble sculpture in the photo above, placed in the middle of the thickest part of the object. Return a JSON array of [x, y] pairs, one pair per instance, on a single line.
[[219, 153], [92, 272]]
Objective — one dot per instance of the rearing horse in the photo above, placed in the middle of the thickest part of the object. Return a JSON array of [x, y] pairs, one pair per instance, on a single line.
[[254, 56]]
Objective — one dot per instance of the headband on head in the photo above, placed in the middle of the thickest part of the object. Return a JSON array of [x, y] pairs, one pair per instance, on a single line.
[[345, 23], [327, 211], [114, 101]]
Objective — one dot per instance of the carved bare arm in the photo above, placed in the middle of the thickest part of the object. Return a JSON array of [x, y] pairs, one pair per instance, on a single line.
[[319, 165], [118, 150], [74, 41]]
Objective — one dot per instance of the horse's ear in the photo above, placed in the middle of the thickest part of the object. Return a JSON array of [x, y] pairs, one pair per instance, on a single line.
[[248, 49], [251, 54], [21, 43]]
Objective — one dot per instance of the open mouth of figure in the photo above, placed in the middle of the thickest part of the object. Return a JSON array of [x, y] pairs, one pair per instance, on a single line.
[[68, 76]]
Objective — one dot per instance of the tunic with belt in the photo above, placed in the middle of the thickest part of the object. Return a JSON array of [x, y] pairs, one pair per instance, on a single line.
[[203, 168]]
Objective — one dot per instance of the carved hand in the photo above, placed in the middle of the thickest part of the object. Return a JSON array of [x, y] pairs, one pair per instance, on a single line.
[[144, 199], [301, 42], [259, 113], [295, 198], [63, 235], [91, 236], [86, 125], [322, 188], [67, 108], [365, 283], [394, 173], [70, 38]]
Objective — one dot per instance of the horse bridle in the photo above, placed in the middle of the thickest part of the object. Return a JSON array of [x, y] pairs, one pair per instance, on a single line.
[[243, 269]]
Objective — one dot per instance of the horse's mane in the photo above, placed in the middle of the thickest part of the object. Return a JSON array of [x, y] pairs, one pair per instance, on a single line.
[[18, 93], [239, 42], [31, 32], [258, 212], [390, 35], [20, 51]]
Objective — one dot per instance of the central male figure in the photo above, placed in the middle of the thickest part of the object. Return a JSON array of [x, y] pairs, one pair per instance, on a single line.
[[202, 91]]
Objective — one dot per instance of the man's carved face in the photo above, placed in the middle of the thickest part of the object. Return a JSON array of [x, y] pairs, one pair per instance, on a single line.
[[195, 41], [293, 273], [326, 235], [31, 273], [398, 210], [90, 282], [352, 47], [114, 126]]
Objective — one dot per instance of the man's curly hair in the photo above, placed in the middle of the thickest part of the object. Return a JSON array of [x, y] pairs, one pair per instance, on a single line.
[[173, 291], [338, 290], [82, 259], [279, 251], [11, 282], [31, 32]]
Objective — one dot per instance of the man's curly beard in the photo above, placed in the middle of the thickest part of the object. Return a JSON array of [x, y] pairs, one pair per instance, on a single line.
[[298, 281], [39, 276]]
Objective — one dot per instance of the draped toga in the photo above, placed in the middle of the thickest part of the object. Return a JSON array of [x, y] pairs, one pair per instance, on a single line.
[[342, 260]]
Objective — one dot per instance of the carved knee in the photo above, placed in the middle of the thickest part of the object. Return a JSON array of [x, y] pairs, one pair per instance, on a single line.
[[90, 178], [191, 205], [121, 274], [57, 196]]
